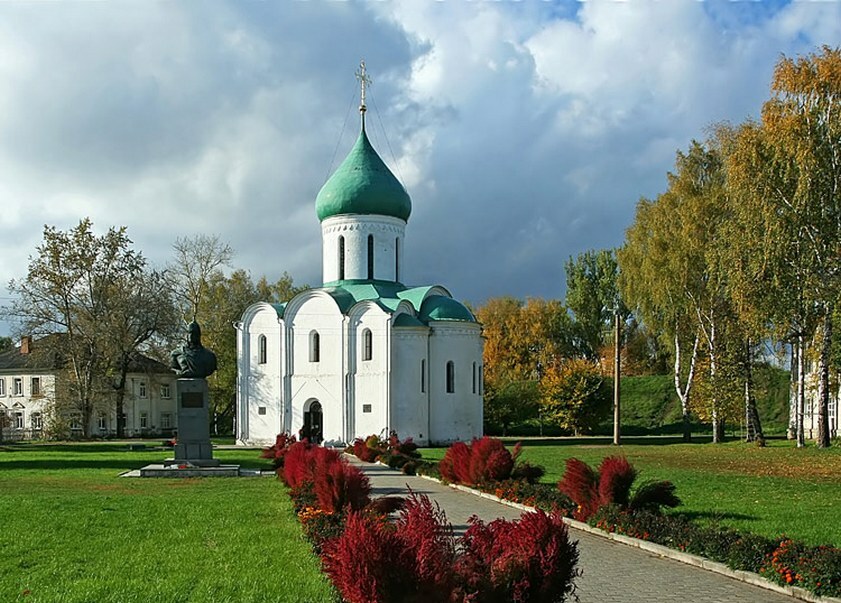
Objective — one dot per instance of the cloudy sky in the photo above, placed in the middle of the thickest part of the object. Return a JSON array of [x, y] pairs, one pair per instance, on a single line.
[[525, 132]]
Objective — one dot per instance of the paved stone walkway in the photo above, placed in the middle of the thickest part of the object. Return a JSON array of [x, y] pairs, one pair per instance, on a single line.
[[612, 572]]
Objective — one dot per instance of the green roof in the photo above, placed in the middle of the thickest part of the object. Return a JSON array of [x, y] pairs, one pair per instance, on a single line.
[[363, 184], [406, 320], [388, 295], [438, 307]]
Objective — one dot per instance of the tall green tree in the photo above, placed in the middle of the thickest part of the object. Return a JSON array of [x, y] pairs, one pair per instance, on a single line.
[[593, 296], [88, 291], [786, 171]]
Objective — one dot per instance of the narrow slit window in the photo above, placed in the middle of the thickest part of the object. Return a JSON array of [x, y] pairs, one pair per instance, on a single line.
[[263, 353], [341, 258], [370, 257], [367, 345], [315, 347], [397, 259], [451, 377], [474, 377], [423, 376]]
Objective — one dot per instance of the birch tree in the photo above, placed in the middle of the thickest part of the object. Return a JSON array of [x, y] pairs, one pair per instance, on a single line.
[[786, 171]]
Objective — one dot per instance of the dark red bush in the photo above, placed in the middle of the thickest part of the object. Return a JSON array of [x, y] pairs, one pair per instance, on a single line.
[[339, 485], [456, 463], [430, 545], [296, 464], [368, 562], [616, 476], [483, 460], [612, 485], [278, 450], [364, 452], [529, 560], [580, 483]]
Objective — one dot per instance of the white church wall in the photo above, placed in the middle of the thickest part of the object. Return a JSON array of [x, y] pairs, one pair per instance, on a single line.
[[409, 388], [369, 378], [321, 379], [388, 234], [457, 415], [264, 410]]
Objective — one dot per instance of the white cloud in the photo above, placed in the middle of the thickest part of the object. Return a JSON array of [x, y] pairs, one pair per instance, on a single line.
[[525, 132]]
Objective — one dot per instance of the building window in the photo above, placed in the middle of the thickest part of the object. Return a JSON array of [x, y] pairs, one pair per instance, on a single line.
[[37, 421], [366, 408], [370, 257], [397, 259], [451, 377], [76, 422], [166, 420], [423, 376], [35, 386], [341, 258], [102, 423], [19, 420], [2, 386], [165, 391], [144, 420], [367, 345], [261, 359], [315, 347], [261, 410], [141, 387], [17, 389], [474, 377]]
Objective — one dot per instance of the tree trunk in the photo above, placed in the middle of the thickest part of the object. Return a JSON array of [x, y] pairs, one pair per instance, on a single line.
[[823, 440], [718, 421], [718, 428], [753, 427], [801, 391], [683, 393]]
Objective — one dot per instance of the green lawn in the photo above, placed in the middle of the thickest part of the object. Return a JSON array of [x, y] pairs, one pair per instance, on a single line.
[[774, 490], [72, 530]]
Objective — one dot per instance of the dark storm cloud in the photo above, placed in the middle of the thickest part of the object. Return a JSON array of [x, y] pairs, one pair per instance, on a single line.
[[525, 133]]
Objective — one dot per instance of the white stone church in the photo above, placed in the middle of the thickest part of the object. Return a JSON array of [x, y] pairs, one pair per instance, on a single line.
[[363, 354]]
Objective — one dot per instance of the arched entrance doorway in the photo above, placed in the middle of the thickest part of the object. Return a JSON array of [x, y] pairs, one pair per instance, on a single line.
[[314, 423]]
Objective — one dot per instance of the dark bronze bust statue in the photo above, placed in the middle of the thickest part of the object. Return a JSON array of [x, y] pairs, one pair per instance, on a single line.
[[193, 360]]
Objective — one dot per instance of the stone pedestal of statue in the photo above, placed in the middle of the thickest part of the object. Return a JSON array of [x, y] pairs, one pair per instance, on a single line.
[[192, 444]]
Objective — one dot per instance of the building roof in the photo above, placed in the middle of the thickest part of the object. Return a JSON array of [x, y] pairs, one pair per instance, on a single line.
[[388, 295], [44, 357], [363, 184]]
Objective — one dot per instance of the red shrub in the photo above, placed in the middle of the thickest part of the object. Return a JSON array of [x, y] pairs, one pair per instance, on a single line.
[[455, 463], [489, 461], [296, 464], [483, 460], [368, 563], [612, 486], [339, 485], [580, 483], [430, 545], [407, 447], [616, 476], [531, 559], [278, 451], [364, 452], [301, 460]]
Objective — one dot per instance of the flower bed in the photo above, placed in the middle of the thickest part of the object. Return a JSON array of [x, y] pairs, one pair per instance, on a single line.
[[374, 559], [606, 499]]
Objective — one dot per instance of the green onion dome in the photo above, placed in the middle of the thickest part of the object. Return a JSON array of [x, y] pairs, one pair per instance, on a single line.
[[363, 184]]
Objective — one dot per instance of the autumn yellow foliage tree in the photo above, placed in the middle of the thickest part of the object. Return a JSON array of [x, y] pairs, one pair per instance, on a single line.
[[574, 395]]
